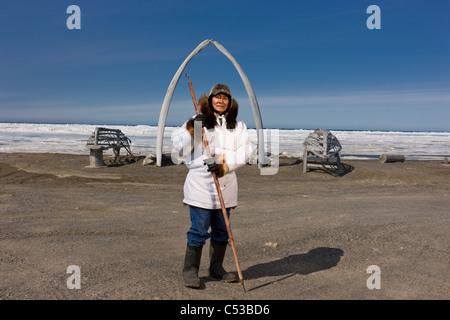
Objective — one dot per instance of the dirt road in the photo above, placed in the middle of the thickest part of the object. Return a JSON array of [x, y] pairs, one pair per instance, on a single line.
[[125, 227]]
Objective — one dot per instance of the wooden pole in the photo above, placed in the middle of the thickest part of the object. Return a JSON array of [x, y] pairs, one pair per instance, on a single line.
[[219, 191]]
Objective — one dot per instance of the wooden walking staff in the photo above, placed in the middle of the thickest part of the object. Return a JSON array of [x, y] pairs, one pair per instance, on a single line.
[[219, 191]]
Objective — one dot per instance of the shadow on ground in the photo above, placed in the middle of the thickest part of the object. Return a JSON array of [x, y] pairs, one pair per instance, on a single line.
[[315, 260]]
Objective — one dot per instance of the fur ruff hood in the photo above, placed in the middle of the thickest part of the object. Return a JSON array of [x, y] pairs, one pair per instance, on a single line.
[[210, 115]]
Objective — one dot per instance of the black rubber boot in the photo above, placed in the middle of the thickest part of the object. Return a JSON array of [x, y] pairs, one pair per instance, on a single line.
[[216, 255], [191, 266]]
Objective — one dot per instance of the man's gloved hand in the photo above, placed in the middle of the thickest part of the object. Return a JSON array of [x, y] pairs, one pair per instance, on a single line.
[[220, 169], [190, 124], [200, 117], [212, 165]]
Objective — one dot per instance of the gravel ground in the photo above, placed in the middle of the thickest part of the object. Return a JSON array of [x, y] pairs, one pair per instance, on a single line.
[[299, 236]]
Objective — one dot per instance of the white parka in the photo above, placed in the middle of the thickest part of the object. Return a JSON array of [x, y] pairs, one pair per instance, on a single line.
[[199, 187]]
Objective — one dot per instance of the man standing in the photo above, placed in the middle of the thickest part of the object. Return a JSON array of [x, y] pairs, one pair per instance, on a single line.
[[230, 147]]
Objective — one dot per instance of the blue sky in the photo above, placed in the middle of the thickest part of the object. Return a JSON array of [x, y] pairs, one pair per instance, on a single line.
[[311, 63]]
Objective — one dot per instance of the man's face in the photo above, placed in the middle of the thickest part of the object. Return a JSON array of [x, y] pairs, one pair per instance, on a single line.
[[220, 102]]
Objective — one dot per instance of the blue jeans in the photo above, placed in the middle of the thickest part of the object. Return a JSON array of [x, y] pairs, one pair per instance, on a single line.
[[201, 221]]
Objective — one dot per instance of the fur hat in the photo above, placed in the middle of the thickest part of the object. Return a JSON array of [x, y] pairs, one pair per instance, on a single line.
[[220, 88]]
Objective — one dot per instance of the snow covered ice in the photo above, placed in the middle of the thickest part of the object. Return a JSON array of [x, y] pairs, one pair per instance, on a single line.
[[71, 139]]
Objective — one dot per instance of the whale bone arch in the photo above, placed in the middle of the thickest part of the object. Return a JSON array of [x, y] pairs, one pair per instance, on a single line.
[[171, 90]]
